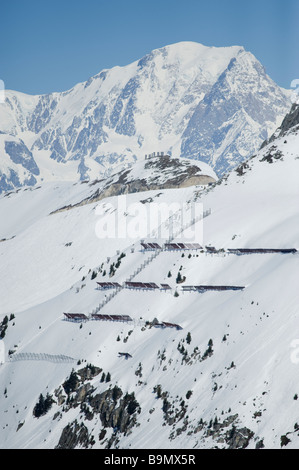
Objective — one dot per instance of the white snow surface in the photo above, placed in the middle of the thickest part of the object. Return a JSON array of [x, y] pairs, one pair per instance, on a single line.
[[46, 265]]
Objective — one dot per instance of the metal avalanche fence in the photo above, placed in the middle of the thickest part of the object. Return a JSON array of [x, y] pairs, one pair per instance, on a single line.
[[192, 222], [56, 358], [151, 258]]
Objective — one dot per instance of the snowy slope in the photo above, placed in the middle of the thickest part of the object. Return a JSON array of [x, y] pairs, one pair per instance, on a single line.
[[231, 383], [163, 172], [204, 103]]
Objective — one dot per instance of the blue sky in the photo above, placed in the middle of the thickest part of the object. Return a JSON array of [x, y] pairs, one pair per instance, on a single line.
[[50, 46]]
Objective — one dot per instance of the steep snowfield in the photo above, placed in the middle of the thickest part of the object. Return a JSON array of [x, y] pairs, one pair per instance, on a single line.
[[211, 104], [46, 267]]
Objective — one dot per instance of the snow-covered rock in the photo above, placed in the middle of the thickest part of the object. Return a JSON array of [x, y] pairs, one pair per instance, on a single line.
[[162, 172], [211, 104]]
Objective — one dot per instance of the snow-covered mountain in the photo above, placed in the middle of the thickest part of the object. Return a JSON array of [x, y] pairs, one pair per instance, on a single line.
[[162, 172], [225, 376], [211, 104]]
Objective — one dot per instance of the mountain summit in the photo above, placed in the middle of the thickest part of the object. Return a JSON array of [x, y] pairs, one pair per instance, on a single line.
[[211, 104]]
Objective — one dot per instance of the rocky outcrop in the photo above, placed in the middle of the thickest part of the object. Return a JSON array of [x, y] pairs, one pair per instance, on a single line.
[[238, 438], [154, 174], [111, 407], [75, 435], [227, 433], [291, 121], [137, 186]]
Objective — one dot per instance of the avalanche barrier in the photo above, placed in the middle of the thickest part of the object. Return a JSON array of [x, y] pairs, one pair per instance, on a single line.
[[56, 358]]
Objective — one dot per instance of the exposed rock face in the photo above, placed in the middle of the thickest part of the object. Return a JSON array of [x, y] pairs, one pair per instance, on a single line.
[[238, 438], [291, 121], [156, 173], [116, 189], [115, 412], [112, 408], [231, 103]]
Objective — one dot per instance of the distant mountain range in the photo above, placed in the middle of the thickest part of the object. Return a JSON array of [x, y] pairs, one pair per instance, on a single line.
[[215, 105]]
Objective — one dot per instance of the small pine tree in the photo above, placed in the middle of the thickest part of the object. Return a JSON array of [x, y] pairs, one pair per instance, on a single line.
[[108, 377], [48, 402], [92, 368], [188, 338], [133, 403], [43, 405], [71, 383], [38, 410], [116, 393], [209, 350], [112, 270], [284, 440], [158, 390]]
